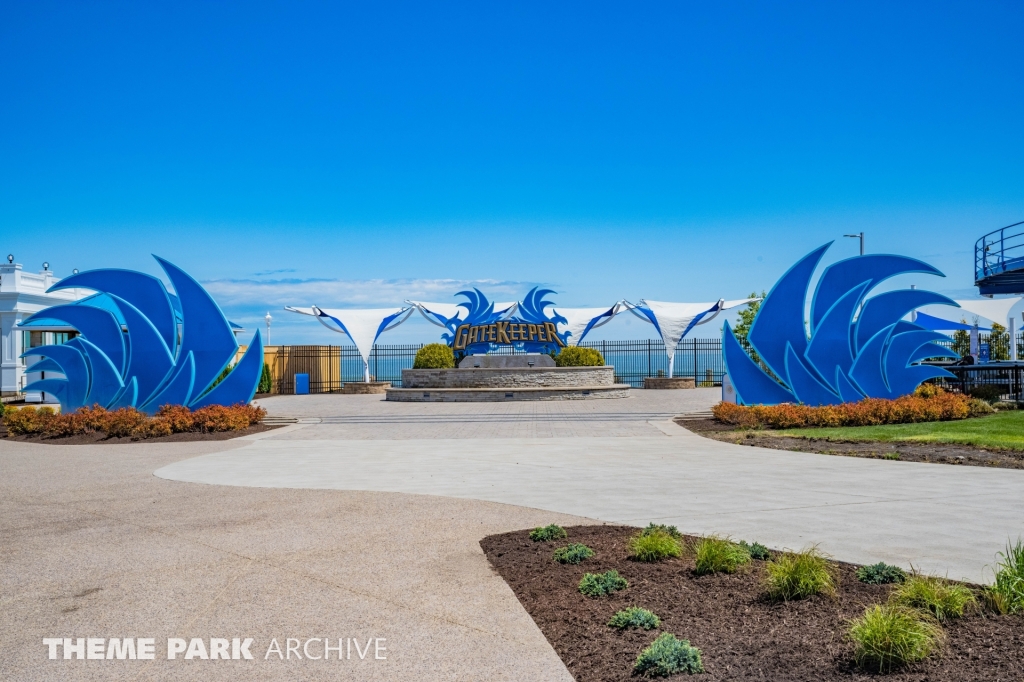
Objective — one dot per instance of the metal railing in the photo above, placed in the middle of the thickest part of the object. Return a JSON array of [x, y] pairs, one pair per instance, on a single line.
[[999, 251], [701, 359], [331, 366]]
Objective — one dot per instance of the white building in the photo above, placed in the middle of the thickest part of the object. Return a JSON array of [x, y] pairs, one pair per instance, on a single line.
[[21, 295]]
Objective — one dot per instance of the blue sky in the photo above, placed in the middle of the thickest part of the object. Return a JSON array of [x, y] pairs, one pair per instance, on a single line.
[[333, 154]]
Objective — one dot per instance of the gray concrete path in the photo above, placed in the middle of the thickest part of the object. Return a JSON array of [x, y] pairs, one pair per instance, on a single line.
[[93, 545], [940, 518]]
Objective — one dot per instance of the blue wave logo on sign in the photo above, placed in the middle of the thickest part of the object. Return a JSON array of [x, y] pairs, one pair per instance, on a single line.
[[140, 346], [857, 347], [530, 328]]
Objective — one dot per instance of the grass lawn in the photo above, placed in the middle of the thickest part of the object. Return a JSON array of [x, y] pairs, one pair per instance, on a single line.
[[1002, 430]]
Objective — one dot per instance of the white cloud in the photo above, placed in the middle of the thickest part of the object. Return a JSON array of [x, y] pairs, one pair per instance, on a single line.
[[340, 293]]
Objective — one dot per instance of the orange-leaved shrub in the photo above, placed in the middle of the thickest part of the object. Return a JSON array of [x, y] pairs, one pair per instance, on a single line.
[[130, 422], [929, 403]]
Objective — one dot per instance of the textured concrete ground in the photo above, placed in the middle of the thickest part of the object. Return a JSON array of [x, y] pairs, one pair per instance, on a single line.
[[942, 519], [93, 545], [369, 417], [365, 524]]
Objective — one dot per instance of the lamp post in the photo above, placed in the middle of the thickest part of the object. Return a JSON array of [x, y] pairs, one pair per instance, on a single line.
[[268, 318], [860, 236]]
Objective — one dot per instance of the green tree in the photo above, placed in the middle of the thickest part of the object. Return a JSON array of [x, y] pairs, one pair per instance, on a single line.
[[998, 343], [742, 329]]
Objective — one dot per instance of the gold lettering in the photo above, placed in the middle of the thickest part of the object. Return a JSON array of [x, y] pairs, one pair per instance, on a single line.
[[474, 334], [461, 336], [502, 335], [540, 333], [522, 331], [531, 329], [553, 333], [513, 332], [492, 331]]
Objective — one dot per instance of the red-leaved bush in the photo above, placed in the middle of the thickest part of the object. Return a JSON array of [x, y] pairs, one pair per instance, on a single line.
[[928, 404], [129, 422]]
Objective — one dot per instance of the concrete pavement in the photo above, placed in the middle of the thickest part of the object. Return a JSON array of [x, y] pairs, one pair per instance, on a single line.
[[942, 519]]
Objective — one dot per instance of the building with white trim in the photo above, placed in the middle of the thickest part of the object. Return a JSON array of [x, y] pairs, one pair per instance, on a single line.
[[21, 295]]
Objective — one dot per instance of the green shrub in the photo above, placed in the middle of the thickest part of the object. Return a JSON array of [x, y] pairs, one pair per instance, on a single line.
[[881, 574], [756, 550], [434, 356], [795, 575], [655, 527], [573, 554], [718, 555], [547, 533], [988, 392], [940, 597], [574, 356], [635, 617], [1006, 595], [653, 546], [266, 380], [668, 656], [979, 407], [888, 637], [600, 584]]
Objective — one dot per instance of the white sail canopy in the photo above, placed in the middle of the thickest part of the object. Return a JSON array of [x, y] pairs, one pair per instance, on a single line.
[[582, 320], [674, 320], [362, 325], [439, 313], [995, 309]]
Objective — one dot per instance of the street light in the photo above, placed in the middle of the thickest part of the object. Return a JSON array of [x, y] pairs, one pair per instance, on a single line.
[[268, 318], [860, 236]]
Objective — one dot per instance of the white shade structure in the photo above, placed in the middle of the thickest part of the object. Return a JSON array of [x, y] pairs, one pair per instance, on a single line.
[[362, 325], [442, 313], [674, 320], [581, 320]]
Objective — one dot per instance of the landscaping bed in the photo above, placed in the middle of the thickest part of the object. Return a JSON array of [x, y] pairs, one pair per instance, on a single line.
[[906, 451], [100, 437], [740, 633]]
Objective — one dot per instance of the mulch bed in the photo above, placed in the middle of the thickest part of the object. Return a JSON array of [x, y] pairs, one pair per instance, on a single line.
[[937, 453], [99, 437], [741, 636]]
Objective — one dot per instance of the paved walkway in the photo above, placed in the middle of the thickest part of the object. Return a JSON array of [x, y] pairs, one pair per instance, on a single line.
[[93, 545], [940, 518], [367, 522]]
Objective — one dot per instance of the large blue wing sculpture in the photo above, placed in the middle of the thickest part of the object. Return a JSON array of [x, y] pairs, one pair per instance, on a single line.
[[152, 358], [855, 347]]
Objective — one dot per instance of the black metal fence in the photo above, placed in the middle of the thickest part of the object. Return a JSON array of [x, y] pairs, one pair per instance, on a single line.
[[701, 359], [331, 366]]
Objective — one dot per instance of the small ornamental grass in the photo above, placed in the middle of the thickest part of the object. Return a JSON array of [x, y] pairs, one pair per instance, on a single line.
[[659, 527], [600, 584], [890, 636], [653, 545], [635, 617], [718, 555], [881, 574], [668, 656], [548, 533], [756, 550], [573, 554], [939, 597], [796, 575], [1006, 595]]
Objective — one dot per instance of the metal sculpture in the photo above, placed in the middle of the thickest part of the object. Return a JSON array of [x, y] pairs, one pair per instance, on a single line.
[[141, 346], [857, 347]]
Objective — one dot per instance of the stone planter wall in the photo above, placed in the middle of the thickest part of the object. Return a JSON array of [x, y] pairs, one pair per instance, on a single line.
[[509, 377]]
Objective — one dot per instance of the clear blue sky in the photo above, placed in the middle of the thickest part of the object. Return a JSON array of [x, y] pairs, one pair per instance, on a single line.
[[314, 152]]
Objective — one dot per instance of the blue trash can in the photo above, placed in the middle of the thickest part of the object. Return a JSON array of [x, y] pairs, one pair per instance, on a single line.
[[301, 384]]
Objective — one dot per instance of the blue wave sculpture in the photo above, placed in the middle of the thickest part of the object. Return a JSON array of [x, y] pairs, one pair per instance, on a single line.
[[150, 354], [480, 311], [848, 355]]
